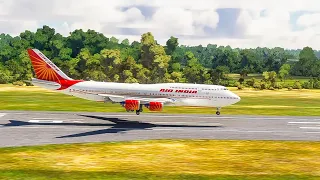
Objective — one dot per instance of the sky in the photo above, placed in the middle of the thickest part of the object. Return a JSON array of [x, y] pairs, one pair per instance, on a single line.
[[291, 24]]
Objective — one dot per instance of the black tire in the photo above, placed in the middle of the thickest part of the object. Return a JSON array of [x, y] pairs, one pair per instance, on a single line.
[[218, 113], [137, 112]]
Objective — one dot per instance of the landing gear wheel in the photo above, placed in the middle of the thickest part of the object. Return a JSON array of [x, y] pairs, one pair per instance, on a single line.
[[218, 111], [137, 112]]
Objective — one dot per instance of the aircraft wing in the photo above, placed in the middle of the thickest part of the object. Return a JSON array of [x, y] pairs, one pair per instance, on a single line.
[[118, 99]]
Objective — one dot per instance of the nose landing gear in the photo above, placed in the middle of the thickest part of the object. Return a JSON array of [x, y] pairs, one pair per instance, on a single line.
[[218, 111]]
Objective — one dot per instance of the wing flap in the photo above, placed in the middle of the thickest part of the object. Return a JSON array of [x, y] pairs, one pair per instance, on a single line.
[[117, 98]]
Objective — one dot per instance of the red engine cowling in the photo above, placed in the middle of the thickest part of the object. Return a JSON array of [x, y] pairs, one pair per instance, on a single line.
[[155, 106], [132, 105]]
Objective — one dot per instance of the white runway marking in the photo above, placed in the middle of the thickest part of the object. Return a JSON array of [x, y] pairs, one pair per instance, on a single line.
[[2, 114], [45, 118], [187, 124], [59, 119], [315, 128], [44, 121], [171, 129], [303, 122], [77, 121]]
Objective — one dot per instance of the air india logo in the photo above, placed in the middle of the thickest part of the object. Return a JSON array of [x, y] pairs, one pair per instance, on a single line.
[[43, 70]]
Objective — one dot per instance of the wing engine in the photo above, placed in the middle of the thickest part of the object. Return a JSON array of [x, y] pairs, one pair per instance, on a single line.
[[131, 104], [154, 106]]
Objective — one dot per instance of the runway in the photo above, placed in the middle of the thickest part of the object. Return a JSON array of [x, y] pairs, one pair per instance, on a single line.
[[24, 128]]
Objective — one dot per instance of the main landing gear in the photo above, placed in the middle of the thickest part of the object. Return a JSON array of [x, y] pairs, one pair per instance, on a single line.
[[218, 111], [140, 110], [137, 112]]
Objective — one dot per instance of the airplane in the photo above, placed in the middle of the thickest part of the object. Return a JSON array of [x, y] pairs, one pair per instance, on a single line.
[[131, 96]]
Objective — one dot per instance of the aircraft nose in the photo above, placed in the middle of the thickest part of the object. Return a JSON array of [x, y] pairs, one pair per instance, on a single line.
[[236, 97]]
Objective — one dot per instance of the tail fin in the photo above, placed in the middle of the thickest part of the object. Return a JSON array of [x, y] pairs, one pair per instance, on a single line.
[[44, 68]]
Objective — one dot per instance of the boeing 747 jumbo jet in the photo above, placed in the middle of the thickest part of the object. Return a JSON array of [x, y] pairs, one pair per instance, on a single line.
[[132, 96]]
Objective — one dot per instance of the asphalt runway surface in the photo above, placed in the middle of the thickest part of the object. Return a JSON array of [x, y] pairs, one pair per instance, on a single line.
[[24, 128]]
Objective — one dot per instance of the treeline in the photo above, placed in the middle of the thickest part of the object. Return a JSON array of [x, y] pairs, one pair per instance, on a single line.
[[272, 80], [92, 56]]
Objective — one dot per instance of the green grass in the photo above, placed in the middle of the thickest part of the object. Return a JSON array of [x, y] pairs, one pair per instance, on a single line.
[[164, 159], [278, 102], [289, 81]]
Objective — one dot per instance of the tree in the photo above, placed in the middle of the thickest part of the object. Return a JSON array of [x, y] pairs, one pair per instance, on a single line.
[[284, 71], [219, 74], [78, 64], [251, 61], [307, 60], [270, 77], [111, 61], [95, 41], [244, 72], [5, 75], [147, 41], [91, 55], [172, 44], [94, 70], [154, 58], [192, 72], [42, 37], [114, 40], [76, 41], [125, 42]]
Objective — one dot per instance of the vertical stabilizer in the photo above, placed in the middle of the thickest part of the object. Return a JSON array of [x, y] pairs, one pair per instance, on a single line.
[[44, 68]]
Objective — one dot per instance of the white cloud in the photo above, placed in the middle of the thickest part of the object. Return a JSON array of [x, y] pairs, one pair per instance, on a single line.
[[134, 15], [273, 23], [208, 18], [167, 21], [260, 22], [5, 6], [286, 5], [172, 20], [309, 20], [14, 28]]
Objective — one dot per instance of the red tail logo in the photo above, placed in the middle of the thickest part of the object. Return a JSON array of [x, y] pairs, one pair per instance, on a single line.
[[48, 71]]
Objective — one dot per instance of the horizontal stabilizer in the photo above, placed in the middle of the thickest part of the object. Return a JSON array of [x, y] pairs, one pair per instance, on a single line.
[[45, 84]]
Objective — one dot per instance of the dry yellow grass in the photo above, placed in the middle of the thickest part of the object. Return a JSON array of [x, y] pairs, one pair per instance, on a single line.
[[4, 88], [207, 157], [303, 93]]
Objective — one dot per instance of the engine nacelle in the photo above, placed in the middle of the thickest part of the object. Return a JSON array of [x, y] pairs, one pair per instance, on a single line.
[[131, 105], [155, 106]]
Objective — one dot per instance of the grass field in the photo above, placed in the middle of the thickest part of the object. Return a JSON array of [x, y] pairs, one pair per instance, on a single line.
[[164, 159], [290, 81], [278, 102]]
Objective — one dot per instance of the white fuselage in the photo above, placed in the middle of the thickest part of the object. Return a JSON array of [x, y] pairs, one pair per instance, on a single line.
[[179, 94]]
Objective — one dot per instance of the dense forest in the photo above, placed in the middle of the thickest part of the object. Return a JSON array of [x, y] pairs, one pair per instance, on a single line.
[[92, 56]]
